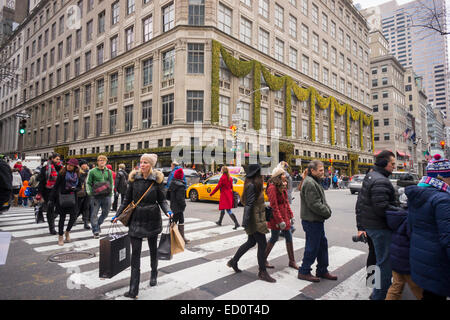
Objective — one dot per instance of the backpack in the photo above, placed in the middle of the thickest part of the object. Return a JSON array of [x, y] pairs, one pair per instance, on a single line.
[[28, 192]]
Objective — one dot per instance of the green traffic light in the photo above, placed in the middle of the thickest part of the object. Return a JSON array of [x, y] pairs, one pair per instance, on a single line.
[[22, 131]]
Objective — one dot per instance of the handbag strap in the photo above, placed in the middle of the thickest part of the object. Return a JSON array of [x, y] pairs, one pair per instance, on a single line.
[[144, 193]]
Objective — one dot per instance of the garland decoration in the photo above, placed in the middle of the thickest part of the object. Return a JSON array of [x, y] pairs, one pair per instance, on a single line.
[[215, 82], [238, 68]]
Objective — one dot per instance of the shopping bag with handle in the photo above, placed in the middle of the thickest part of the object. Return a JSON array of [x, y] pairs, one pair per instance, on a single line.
[[114, 252], [164, 247], [176, 240]]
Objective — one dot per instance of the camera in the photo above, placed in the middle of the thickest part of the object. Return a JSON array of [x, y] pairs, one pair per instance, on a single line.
[[361, 238]]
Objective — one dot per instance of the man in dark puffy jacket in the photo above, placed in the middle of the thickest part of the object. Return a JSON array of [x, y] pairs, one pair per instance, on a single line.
[[5, 185], [121, 185], [376, 197]]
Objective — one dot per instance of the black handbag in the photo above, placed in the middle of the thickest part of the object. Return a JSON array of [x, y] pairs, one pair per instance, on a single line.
[[235, 199], [102, 189], [269, 213], [164, 247], [67, 200]]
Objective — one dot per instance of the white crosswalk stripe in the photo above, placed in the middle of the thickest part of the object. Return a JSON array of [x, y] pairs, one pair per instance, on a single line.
[[208, 240]]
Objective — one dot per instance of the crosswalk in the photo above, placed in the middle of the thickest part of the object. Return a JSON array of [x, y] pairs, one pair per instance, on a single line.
[[200, 268]]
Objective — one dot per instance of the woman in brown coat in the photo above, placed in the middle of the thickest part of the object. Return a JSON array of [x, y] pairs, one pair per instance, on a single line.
[[282, 215], [254, 221]]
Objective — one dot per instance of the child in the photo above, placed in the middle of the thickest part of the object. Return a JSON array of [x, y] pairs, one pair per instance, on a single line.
[[177, 194], [24, 193]]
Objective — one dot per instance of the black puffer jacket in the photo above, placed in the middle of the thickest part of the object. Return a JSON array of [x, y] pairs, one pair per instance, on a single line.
[[177, 191], [5, 182], [377, 195], [146, 218]]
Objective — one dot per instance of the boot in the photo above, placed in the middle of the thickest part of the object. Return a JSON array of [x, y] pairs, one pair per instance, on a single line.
[[153, 276], [266, 254], [181, 229], [134, 284], [222, 213], [16, 201], [60, 240], [67, 234], [236, 223], [86, 225], [290, 251], [263, 275], [233, 264]]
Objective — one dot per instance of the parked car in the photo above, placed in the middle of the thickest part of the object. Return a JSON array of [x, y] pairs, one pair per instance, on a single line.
[[355, 184], [191, 175], [201, 191]]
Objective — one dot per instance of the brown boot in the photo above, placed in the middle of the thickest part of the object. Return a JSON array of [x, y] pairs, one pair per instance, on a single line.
[[67, 234], [60, 240], [266, 254], [263, 275], [181, 229], [327, 276], [290, 251], [308, 277]]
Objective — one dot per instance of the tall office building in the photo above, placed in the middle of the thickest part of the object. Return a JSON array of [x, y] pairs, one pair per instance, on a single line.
[[423, 49]]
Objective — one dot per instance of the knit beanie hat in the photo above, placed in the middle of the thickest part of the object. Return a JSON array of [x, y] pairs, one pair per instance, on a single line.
[[277, 172], [150, 157], [439, 167], [73, 162], [179, 174]]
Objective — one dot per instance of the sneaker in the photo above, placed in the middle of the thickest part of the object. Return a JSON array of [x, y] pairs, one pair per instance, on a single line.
[[96, 235]]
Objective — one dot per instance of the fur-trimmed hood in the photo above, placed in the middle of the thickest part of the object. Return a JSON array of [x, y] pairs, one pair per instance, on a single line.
[[155, 175]]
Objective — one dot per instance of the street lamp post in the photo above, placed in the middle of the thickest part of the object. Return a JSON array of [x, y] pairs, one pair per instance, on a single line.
[[237, 119]]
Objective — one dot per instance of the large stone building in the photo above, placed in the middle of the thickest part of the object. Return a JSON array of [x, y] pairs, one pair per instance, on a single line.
[[135, 76]]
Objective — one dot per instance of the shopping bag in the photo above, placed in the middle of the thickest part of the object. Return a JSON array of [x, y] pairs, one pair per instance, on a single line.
[[114, 254], [164, 247], [176, 240]]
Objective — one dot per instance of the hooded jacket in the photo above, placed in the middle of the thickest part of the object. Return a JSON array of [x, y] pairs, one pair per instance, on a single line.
[[5, 182], [23, 189], [429, 220], [399, 249], [146, 218], [177, 191]]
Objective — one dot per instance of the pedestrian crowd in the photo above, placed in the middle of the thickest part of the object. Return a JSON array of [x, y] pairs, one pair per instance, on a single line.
[[408, 236]]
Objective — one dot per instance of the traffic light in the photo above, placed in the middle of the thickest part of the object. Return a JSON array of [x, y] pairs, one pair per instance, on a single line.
[[23, 126], [442, 144]]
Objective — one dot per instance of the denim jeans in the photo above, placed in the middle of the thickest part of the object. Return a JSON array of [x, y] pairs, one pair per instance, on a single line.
[[96, 203], [316, 247], [381, 239], [275, 234], [228, 211]]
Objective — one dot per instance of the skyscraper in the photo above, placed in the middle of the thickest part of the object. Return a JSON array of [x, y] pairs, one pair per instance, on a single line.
[[423, 49]]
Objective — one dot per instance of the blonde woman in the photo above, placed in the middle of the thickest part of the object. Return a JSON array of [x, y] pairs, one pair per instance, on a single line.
[[146, 219]]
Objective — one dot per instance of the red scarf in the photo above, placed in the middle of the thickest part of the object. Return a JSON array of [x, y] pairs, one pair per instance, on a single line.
[[51, 176]]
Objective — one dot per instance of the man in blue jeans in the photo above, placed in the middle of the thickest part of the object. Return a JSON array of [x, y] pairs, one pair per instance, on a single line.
[[314, 211], [100, 188], [377, 195]]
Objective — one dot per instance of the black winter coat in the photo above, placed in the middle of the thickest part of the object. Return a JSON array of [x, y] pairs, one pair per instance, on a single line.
[[146, 218], [5, 182], [43, 180], [177, 191], [377, 195]]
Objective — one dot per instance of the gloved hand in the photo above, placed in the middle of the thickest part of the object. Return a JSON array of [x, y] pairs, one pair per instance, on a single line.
[[169, 214], [292, 221], [282, 225]]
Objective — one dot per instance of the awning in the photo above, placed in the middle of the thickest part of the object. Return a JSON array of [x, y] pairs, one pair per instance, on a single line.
[[377, 152], [401, 154], [409, 156]]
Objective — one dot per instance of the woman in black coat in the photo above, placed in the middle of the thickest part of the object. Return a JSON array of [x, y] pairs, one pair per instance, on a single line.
[[145, 222], [68, 182]]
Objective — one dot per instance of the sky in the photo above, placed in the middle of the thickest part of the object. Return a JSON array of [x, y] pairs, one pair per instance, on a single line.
[[370, 3]]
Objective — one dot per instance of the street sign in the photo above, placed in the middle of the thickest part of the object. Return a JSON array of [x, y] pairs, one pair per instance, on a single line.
[[22, 115], [298, 162]]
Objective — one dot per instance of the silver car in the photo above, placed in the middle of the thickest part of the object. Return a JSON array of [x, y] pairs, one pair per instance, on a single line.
[[356, 184]]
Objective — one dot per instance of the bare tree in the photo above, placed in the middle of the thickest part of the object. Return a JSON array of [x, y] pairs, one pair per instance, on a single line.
[[430, 15]]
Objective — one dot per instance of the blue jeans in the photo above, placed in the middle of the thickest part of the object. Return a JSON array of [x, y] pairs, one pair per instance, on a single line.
[[316, 247], [228, 211], [96, 204], [287, 234], [381, 239]]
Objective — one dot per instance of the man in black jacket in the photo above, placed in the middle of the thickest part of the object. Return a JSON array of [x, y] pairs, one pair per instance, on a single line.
[[121, 186], [5, 185], [376, 197]]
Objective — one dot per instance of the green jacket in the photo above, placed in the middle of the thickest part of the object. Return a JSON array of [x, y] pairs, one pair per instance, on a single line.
[[96, 175], [314, 206]]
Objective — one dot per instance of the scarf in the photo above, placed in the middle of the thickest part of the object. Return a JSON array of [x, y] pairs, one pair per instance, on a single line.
[[51, 176], [435, 183], [71, 180]]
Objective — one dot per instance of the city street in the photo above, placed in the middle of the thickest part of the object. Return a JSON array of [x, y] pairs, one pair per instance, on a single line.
[[198, 273]]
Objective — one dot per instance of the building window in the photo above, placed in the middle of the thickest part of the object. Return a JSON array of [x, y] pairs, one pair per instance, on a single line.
[[115, 13], [167, 110], [246, 31], [279, 17], [194, 106], [293, 26], [278, 122], [305, 64], [87, 95], [100, 54], [263, 8], [78, 39], [114, 82], [89, 30], [87, 60], [146, 114], [98, 124], [263, 119], [168, 17], [224, 18], [129, 79], [245, 113], [386, 136], [315, 43], [168, 61], [315, 74], [130, 6], [315, 14], [147, 68], [128, 118], [101, 22], [148, 28], [279, 50], [114, 44], [129, 35], [196, 12], [112, 121], [263, 41], [224, 103], [196, 57], [100, 90], [86, 127], [292, 57], [68, 45]]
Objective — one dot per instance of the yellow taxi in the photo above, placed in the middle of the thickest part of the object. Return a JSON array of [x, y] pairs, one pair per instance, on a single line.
[[201, 191]]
